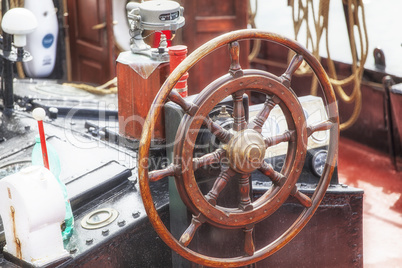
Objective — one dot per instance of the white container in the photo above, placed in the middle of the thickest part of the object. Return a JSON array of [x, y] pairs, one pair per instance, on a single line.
[[32, 209], [121, 29], [42, 43]]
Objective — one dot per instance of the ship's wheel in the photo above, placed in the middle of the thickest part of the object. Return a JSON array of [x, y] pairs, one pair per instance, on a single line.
[[243, 148]]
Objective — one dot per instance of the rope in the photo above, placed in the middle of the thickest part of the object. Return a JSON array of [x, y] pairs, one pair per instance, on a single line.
[[16, 3], [251, 21], [100, 90], [304, 13], [301, 15]]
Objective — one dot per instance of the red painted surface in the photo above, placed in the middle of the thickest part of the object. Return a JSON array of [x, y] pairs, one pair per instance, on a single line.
[[157, 38], [43, 144], [372, 171], [177, 55]]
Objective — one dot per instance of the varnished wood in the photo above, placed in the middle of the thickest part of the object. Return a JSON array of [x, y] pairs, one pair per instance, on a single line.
[[157, 175], [189, 233], [322, 126], [302, 198], [291, 170], [208, 159], [249, 247], [238, 112], [226, 85], [262, 115], [219, 185], [294, 64], [244, 189], [92, 51], [134, 102], [189, 108], [286, 136], [205, 20], [222, 134], [276, 177], [235, 68]]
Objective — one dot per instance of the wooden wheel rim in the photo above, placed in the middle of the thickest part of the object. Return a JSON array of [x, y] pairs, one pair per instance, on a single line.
[[270, 201], [149, 125]]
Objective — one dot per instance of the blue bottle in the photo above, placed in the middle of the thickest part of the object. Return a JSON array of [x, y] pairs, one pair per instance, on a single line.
[[54, 165]]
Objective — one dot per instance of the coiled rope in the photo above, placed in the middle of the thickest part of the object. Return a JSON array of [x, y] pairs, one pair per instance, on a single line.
[[356, 22], [304, 14]]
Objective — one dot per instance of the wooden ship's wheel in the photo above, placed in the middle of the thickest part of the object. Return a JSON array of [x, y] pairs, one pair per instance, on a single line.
[[243, 149]]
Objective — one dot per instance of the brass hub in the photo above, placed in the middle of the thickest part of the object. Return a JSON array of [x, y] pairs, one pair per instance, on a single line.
[[246, 151]]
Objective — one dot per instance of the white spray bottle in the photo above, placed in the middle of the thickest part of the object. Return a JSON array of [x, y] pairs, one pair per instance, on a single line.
[[42, 43]]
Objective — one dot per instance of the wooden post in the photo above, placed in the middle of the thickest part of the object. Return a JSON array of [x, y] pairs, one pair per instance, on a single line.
[[135, 96]]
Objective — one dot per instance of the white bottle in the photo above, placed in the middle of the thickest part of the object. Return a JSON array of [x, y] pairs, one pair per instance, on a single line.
[[42, 43]]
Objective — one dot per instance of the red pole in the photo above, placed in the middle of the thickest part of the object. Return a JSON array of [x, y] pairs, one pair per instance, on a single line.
[[39, 114], [43, 144], [177, 55]]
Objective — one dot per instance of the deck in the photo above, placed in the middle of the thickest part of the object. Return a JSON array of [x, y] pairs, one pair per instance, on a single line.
[[372, 171]]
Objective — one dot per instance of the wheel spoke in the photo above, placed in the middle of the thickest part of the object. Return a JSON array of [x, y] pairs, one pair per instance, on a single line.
[[239, 119], [302, 198], [234, 52], [222, 134], [219, 185], [208, 159], [286, 136], [294, 64], [249, 247], [244, 187], [189, 108], [156, 175], [276, 177], [189, 233], [283, 182], [262, 116], [324, 125]]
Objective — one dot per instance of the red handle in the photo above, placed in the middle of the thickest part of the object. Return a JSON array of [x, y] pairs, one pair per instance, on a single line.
[[43, 144]]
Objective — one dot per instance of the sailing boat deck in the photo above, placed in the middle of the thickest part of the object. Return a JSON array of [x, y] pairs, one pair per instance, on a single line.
[[362, 167]]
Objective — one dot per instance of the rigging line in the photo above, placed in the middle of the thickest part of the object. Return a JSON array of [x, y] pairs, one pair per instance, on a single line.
[[301, 11]]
